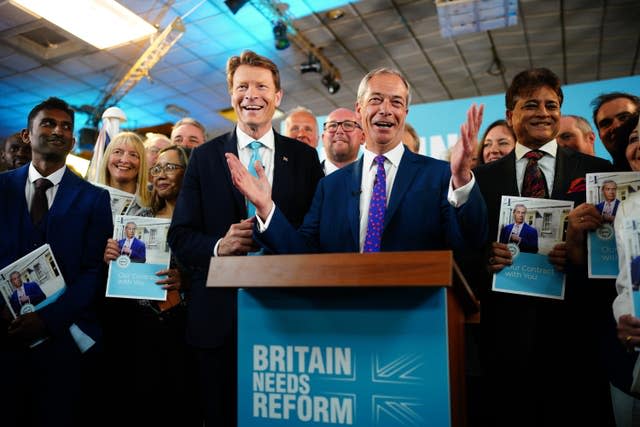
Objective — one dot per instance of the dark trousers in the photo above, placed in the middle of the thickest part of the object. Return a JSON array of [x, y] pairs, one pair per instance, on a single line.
[[217, 383]]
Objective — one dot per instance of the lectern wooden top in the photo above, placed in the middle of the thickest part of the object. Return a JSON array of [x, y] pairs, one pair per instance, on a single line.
[[388, 269]]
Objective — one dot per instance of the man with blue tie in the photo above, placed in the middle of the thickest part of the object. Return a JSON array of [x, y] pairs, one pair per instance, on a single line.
[[44, 202], [392, 199], [212, 218]]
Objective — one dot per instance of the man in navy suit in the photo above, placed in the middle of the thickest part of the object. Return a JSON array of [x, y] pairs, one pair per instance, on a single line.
[[211, 219], [76, 226], [520, 233], [24, 293], [131, 246], [609, 206], [431, 204]]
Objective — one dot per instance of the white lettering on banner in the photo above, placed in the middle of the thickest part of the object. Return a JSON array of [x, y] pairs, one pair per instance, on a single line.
[[437, 147], [326, 361], [276, 406], [282, 383]]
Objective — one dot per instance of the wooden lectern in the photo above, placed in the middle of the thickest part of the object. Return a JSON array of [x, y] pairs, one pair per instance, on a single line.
[[396, 270]]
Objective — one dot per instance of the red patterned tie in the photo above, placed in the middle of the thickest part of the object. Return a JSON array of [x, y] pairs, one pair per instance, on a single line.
[[377, 209], [534, 183]]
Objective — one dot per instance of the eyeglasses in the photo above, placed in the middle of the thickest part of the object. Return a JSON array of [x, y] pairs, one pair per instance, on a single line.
[[169, 168], [347, 126]]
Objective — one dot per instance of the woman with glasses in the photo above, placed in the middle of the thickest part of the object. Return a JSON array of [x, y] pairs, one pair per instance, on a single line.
[[148, 350]]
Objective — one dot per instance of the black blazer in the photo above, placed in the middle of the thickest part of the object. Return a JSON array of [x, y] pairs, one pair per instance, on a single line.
[[207, 206]]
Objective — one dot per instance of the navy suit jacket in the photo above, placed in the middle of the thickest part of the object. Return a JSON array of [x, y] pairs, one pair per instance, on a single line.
[[32, 290], [207, 206], [635, 272], [616, 203], [76, 227], [528, 237], [418, 216], [138, 250]]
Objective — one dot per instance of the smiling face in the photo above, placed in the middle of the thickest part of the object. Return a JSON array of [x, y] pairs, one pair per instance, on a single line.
[[123, 164], [50, 136], [609, 117], [167, 184], [382, 111], [535, 117], [498, 143], [16, 153], [254, 98], [633, 150], [342, 147], [187, 135]]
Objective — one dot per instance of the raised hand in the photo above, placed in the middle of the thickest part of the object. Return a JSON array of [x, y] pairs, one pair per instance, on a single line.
[[462, 153], [256, 190]]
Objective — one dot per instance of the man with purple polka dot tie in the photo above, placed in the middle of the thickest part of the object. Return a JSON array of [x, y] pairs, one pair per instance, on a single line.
[[392, 199]]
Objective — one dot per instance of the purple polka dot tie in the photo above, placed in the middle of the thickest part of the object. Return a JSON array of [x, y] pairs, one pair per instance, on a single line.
[[377, 208], [534, 184]]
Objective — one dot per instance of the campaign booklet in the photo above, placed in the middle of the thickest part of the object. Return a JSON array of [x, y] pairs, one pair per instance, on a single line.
[[630, 234], [121, 201], [606, 191], [31, 282], [143, 252], [531, 227]]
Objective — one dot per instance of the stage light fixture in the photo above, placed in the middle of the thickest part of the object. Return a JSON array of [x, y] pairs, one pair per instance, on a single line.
[[280, 34], [312, 65], [331, 83]]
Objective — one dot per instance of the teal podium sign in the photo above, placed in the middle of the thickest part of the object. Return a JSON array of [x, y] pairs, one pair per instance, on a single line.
[[343, 356]]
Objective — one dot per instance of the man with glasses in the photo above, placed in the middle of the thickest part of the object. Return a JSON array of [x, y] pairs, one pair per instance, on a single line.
[[342, 137], [391, 199]]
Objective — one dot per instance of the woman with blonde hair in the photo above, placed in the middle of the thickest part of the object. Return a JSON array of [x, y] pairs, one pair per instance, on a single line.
[[124, 168]]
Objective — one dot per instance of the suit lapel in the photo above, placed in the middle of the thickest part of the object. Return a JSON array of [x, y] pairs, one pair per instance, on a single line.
[[353, 184], [560, 174], [407, 170], [231, 146], [282, 177], [67, 192]]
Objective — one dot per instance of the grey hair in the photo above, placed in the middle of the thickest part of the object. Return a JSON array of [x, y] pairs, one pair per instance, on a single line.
[[364, 83]]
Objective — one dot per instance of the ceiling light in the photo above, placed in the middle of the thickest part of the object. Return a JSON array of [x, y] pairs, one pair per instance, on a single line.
[[235, 5], [312, 65], [101, 23], [280, 34], [335, 14], [331, 83]]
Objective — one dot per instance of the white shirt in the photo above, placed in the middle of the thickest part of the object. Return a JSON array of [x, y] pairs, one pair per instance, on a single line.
[[629, 208], [328, 167], [547, 163], [30, 187], [245, 152]]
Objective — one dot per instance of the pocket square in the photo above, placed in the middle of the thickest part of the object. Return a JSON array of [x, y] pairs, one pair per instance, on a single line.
[[577, 185]]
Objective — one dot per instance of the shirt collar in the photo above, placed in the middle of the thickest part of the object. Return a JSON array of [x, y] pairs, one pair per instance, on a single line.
[[393, 156], [55, 177], [268, 139], [550, 148]]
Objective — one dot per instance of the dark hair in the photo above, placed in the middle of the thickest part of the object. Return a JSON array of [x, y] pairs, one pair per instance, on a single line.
[[606, 97], [158, 203], [251, 58], [500, 122], [52, 103], [527, 81]]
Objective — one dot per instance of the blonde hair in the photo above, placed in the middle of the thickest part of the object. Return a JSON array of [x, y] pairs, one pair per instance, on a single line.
[[104, 177]]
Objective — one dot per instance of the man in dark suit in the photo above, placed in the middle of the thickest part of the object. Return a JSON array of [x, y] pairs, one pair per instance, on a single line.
[[525, 338], [420, 214], [76, 226], [211, 219], [131, 246], [609, 206], [24, 293], [520, 233]]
